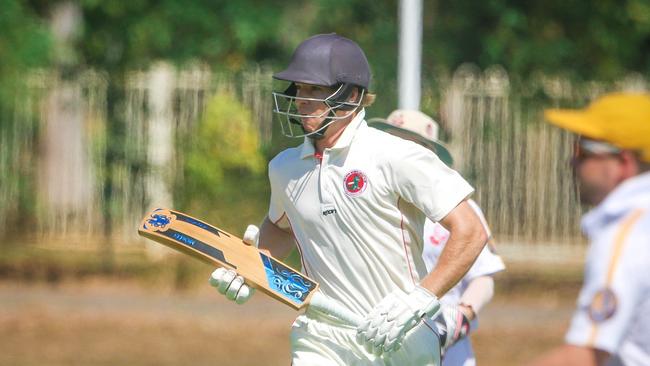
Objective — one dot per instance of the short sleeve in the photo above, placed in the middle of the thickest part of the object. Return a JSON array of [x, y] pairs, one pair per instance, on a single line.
[[422, 179], [615, 284]]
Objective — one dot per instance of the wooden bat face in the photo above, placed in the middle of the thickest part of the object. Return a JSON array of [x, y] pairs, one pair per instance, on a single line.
[[217, 247]]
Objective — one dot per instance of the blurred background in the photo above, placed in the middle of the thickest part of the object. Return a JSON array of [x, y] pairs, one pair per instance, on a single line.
[[110, 108]]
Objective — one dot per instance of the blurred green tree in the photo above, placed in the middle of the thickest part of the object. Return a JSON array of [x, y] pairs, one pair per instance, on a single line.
[[224, 167], [590, 40], [131, 34], [593, 40], [24, 43]]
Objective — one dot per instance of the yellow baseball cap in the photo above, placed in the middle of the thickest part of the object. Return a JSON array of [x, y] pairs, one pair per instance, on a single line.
[[622, 119]]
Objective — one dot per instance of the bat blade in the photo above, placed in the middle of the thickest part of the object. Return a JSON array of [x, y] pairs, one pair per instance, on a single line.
[[220, 248], [217, 247]]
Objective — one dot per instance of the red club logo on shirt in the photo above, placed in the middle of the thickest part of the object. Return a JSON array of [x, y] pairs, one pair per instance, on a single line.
[[355, 183]]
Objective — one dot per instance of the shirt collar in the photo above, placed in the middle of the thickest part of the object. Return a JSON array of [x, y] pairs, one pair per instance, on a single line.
[[344, 141], [629, 195]]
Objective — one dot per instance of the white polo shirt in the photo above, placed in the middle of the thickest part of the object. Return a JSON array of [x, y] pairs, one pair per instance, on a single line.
[[613, 312], [358, 214]]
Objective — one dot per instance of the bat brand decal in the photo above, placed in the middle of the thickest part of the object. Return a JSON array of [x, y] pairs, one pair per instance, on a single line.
[[198, 245], [355, 183], [286, 281], [329, 212], [200, 224]]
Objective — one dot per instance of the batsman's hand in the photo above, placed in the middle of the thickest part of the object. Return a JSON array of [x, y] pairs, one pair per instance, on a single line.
[[228, 282], [252, 236], [452, 325], [385, 326]]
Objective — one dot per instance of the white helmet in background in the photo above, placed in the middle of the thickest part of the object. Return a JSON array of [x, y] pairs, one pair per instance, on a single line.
[[416, 126]]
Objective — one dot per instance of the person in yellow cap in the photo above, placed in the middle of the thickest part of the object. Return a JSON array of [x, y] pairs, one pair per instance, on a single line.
[[611, 325], [462, 303]]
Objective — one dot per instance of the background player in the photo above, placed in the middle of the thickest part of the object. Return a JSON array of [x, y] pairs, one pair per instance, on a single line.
[[611, 325], [354, 200], [463, 302]]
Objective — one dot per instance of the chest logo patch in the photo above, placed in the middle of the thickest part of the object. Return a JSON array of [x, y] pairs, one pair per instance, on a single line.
[[603, 305], [355, 183]]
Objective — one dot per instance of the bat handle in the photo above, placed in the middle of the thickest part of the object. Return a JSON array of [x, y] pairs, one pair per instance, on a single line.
[[332, 307]]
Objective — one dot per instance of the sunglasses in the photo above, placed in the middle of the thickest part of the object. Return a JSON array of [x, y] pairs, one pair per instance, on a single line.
[[585, 148]]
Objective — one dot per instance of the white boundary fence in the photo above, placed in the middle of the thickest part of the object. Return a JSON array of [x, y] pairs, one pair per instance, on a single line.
[[497, 136], [518, 163]]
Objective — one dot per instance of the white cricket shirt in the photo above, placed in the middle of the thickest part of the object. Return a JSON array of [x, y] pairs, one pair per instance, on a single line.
[[613, 312], [358, 215], [487, 263]]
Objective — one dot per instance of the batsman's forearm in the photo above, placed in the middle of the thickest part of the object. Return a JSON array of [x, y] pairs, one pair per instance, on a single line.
[[454, 262], [467, 237], [275, 240]]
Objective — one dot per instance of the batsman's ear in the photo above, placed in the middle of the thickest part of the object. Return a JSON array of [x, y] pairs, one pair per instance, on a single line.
[[368, 99]]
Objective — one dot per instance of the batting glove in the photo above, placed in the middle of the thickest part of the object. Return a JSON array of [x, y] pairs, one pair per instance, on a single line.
[[452, 326], [384, 328], [252, 236], [228, 283]]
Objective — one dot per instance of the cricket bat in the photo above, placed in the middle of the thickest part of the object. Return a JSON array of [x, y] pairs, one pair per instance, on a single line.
[[219, 248]]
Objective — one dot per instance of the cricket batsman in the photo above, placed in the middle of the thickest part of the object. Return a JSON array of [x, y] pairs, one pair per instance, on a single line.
[[354, 200]]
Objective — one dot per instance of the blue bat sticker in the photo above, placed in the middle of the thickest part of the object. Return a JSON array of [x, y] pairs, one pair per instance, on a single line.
[[293, 285]]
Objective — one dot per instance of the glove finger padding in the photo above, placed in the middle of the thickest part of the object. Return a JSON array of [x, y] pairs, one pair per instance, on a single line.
[[216, 277], [225, 281], [244, 293], [377, 349], [386, 325], [233, 286]]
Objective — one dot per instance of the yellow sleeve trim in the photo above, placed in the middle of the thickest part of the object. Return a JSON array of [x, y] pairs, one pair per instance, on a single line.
[[619, 241]]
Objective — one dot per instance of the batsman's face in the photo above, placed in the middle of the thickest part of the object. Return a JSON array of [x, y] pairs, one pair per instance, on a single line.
[[312, 107]]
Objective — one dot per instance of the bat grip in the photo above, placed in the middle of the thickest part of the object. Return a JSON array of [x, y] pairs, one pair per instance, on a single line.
[[332, 307]]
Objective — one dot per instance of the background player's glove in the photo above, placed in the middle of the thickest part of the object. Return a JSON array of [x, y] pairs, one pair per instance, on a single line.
[[452, 325], [384, 328], [227, 282]]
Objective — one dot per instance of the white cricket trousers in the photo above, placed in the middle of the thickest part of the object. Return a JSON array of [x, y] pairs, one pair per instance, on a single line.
[[320, 340]]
